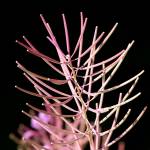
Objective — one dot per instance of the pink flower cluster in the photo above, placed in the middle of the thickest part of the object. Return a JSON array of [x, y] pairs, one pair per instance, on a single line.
[[64, 121]]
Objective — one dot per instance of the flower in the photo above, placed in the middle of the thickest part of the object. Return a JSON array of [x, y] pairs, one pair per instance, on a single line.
[[64, 121]]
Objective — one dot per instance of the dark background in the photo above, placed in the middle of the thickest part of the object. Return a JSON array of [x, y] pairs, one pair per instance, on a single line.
[[19, 18]]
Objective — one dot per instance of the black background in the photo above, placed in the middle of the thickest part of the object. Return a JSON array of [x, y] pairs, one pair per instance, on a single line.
[[19, 18]]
